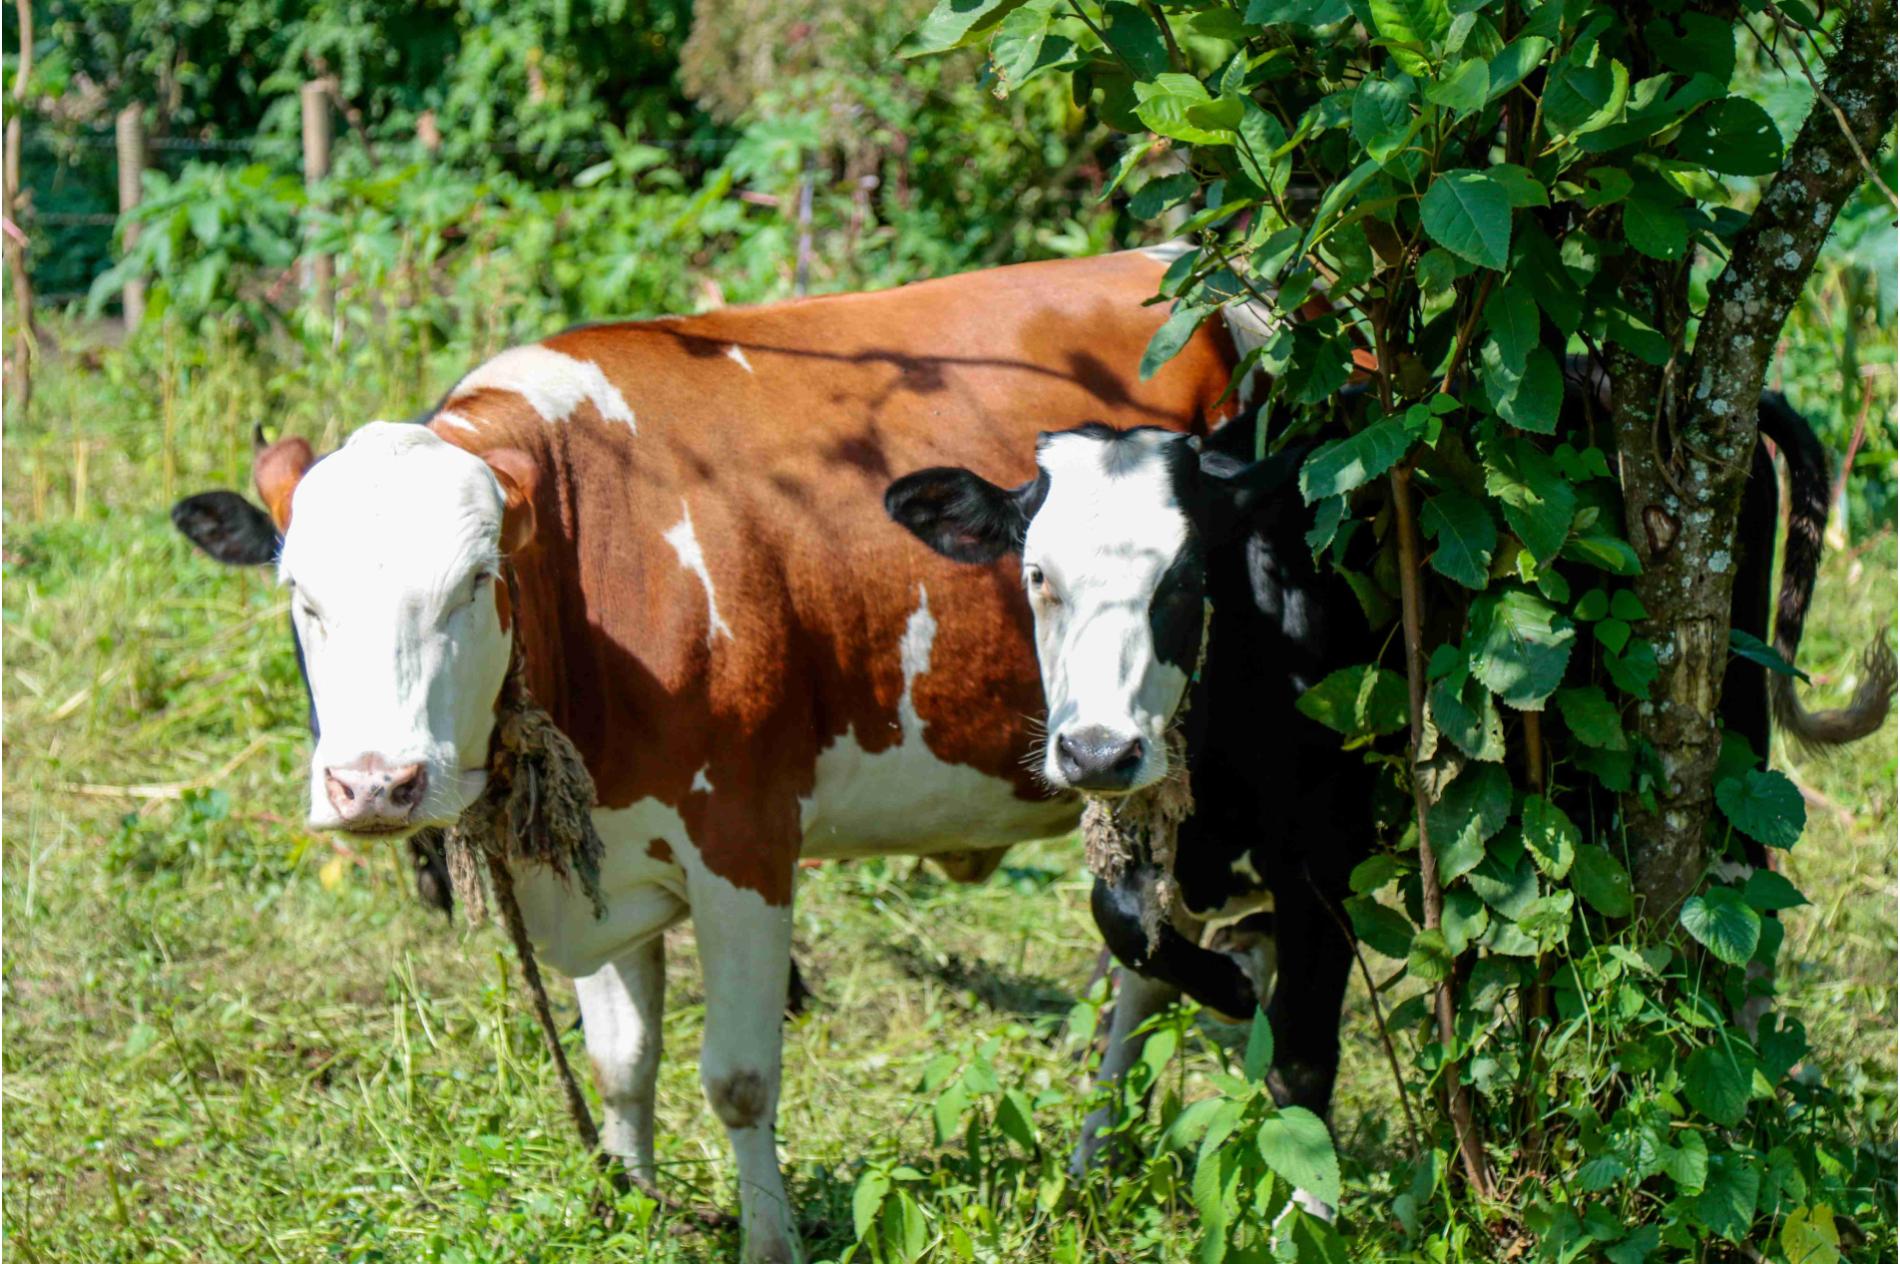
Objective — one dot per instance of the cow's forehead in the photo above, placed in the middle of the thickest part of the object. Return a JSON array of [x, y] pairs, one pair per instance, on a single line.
[[395, 493], [1113, 498]]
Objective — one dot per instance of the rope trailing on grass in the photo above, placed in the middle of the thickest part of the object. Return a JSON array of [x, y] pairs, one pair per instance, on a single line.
[[537, 806], [1145, 826]]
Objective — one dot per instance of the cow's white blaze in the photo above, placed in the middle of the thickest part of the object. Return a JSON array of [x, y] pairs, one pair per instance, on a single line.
[[1094, 557], [391, 551], [736, 354]]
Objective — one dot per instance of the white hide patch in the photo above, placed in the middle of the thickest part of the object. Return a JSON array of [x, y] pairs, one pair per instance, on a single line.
[[700, 783], [455, 419], [693, 558], [553, 383], [736, 354], [1166, 252], [644, 895], [903, 800]]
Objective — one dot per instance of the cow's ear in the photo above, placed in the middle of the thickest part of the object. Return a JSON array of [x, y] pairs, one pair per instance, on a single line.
[[960, 515], [229, 528], [277, 469], [1238, 495], [515, 470]]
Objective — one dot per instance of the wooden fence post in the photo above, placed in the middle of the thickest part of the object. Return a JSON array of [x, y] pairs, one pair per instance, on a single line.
[[319, 269], [130, 132], [24, 342]]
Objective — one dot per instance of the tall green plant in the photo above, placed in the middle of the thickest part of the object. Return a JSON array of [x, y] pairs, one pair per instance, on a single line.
[[1476, 189]]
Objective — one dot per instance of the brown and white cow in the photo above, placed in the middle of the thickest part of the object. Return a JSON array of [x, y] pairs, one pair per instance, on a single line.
[[756, 664]]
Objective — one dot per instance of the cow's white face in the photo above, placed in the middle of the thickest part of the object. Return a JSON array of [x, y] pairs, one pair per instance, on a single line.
[[1113, 565], [1113, 573], [392, 551]]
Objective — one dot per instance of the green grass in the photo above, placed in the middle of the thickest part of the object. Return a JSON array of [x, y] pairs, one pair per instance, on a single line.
[[225, 1039]]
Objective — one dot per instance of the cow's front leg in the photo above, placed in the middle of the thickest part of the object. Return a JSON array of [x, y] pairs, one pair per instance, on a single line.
[[745, 946], [1136, 1001], [621, 1008]]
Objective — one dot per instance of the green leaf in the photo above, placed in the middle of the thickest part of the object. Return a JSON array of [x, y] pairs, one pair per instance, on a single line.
[[1464, 90], [1171, 337], [1627, 606], [1465, 535], [1765, 806], [1580, 99], [1601, 880], [1463, 919], [1431, 957], [1808, 1236], [1733, 137], [1465, 713], [1592, 606], [1259, 1054], [1473, 808], [1358, 702], [1521, 188], [1757, 650], [1511, 318], [1633, 668], [1769, 892], [1539, 502], [1015, 1119], [1296, 1146], [1550, 835], [1024, 48], [868, 1199], [1338, 467], [1727, 1202], [1605, 552], [1532, 401], [1382, 929], [1132, 34], [955, 24], [1590, 715], [1547, 920], [1518, 59], [1297, 12], [1469, 214], [1160, 193], [1656, 229], [1163, 104], [1507, 887], [1719, 921], [1421, 23], [1695, 44], [1519, 646], [1382, 116]]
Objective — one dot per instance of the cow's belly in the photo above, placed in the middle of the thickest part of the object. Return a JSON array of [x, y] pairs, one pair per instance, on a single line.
[[903, 800], [644, 890]]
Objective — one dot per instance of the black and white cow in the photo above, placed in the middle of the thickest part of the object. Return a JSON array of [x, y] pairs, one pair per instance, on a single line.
[[1122, 533], [1124, 536]]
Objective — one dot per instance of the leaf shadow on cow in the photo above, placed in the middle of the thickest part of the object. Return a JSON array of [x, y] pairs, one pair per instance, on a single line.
[[1280, 810]]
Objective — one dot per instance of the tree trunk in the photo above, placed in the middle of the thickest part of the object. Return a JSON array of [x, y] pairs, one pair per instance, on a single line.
[[1686, 435]]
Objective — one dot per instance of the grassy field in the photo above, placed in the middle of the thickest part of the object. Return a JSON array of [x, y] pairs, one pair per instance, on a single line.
[[225, 1039]]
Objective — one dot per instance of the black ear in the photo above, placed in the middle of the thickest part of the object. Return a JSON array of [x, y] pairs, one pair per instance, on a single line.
[[960, 515], [1239, 495], [227, 527]]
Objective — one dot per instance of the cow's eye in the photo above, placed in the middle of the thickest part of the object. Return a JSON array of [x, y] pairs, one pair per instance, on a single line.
[[476, 586], [1040, 586]]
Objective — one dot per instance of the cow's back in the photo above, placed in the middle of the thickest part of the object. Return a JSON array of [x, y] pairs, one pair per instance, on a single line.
[[739, 629]]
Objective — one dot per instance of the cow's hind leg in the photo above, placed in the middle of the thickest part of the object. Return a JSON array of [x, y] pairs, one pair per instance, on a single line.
[[745, 946], [621, 1008]]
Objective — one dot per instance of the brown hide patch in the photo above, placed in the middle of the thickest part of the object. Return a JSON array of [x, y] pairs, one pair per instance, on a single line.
[[783, 470], [659, 850], [504, 607]]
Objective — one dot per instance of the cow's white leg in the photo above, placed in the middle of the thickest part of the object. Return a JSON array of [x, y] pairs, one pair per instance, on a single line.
[[621, 1008], [1136, 1001], [745, 953]]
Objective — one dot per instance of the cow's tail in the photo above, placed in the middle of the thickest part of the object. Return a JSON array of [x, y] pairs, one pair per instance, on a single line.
[[1801, 559]]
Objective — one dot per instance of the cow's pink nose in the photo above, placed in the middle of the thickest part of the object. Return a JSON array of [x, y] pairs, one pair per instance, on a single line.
[[370, 794]]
